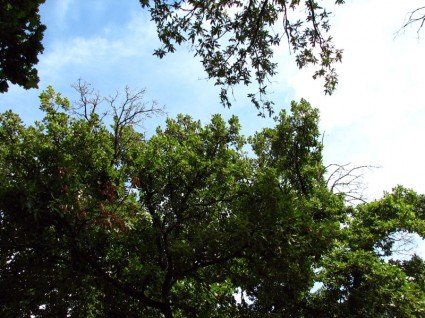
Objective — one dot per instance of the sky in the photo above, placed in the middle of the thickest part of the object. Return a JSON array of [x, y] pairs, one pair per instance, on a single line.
[[376, 116]]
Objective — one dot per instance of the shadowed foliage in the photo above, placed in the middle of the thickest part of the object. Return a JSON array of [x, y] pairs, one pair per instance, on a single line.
[[20, 42]]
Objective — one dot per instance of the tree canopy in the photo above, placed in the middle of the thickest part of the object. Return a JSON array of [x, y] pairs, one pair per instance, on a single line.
[[20, 43], [97, 219]]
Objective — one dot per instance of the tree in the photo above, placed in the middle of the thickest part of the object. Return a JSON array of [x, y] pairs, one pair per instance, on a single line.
[[103, 221], [20, 43]]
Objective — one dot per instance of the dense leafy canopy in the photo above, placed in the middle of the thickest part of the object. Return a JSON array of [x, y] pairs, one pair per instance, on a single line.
[[363, 276], [20, 42], [103, 221]]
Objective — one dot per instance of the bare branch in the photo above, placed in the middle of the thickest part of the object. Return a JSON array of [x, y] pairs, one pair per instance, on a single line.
[[398, 244], [130, 111], [414, 17], [127, 109], [89, 101], [347, 180]]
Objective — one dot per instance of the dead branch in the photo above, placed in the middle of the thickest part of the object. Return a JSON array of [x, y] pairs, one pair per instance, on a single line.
[[347, 180], [131, 110], [127, 109], [89, 101], [416, 16]]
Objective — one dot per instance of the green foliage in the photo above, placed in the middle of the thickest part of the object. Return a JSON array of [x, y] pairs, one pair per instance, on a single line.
[[363, 276], [102, 221], [20, 43], [236, 40]]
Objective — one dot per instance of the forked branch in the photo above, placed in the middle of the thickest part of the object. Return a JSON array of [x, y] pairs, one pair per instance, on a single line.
[[347, 180]]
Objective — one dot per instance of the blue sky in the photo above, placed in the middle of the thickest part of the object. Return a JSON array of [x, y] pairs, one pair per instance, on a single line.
[[376, 116]]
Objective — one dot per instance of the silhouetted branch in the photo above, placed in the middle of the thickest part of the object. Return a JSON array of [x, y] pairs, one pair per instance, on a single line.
[[89, 101], [347, 180], [413, 17]]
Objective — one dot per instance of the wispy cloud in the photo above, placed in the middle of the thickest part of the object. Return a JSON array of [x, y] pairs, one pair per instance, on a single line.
[[62, 10]]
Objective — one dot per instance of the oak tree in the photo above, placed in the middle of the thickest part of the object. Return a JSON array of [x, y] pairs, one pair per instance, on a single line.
[[97, 219]]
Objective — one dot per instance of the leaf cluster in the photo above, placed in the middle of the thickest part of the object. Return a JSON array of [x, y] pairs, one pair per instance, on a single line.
[[236, 40], [20, 43]]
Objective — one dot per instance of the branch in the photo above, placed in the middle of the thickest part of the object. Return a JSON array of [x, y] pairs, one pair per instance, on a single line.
[[347, 180], [89, 100], [417, 15], [132, 111], [202, 264], [128, 290], [317, 34]]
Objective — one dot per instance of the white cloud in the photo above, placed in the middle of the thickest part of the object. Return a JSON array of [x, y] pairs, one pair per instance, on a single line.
[[62, 10], [112, 46], [378, 106]]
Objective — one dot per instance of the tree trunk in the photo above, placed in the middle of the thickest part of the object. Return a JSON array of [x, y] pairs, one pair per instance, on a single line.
[[167, 312]]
